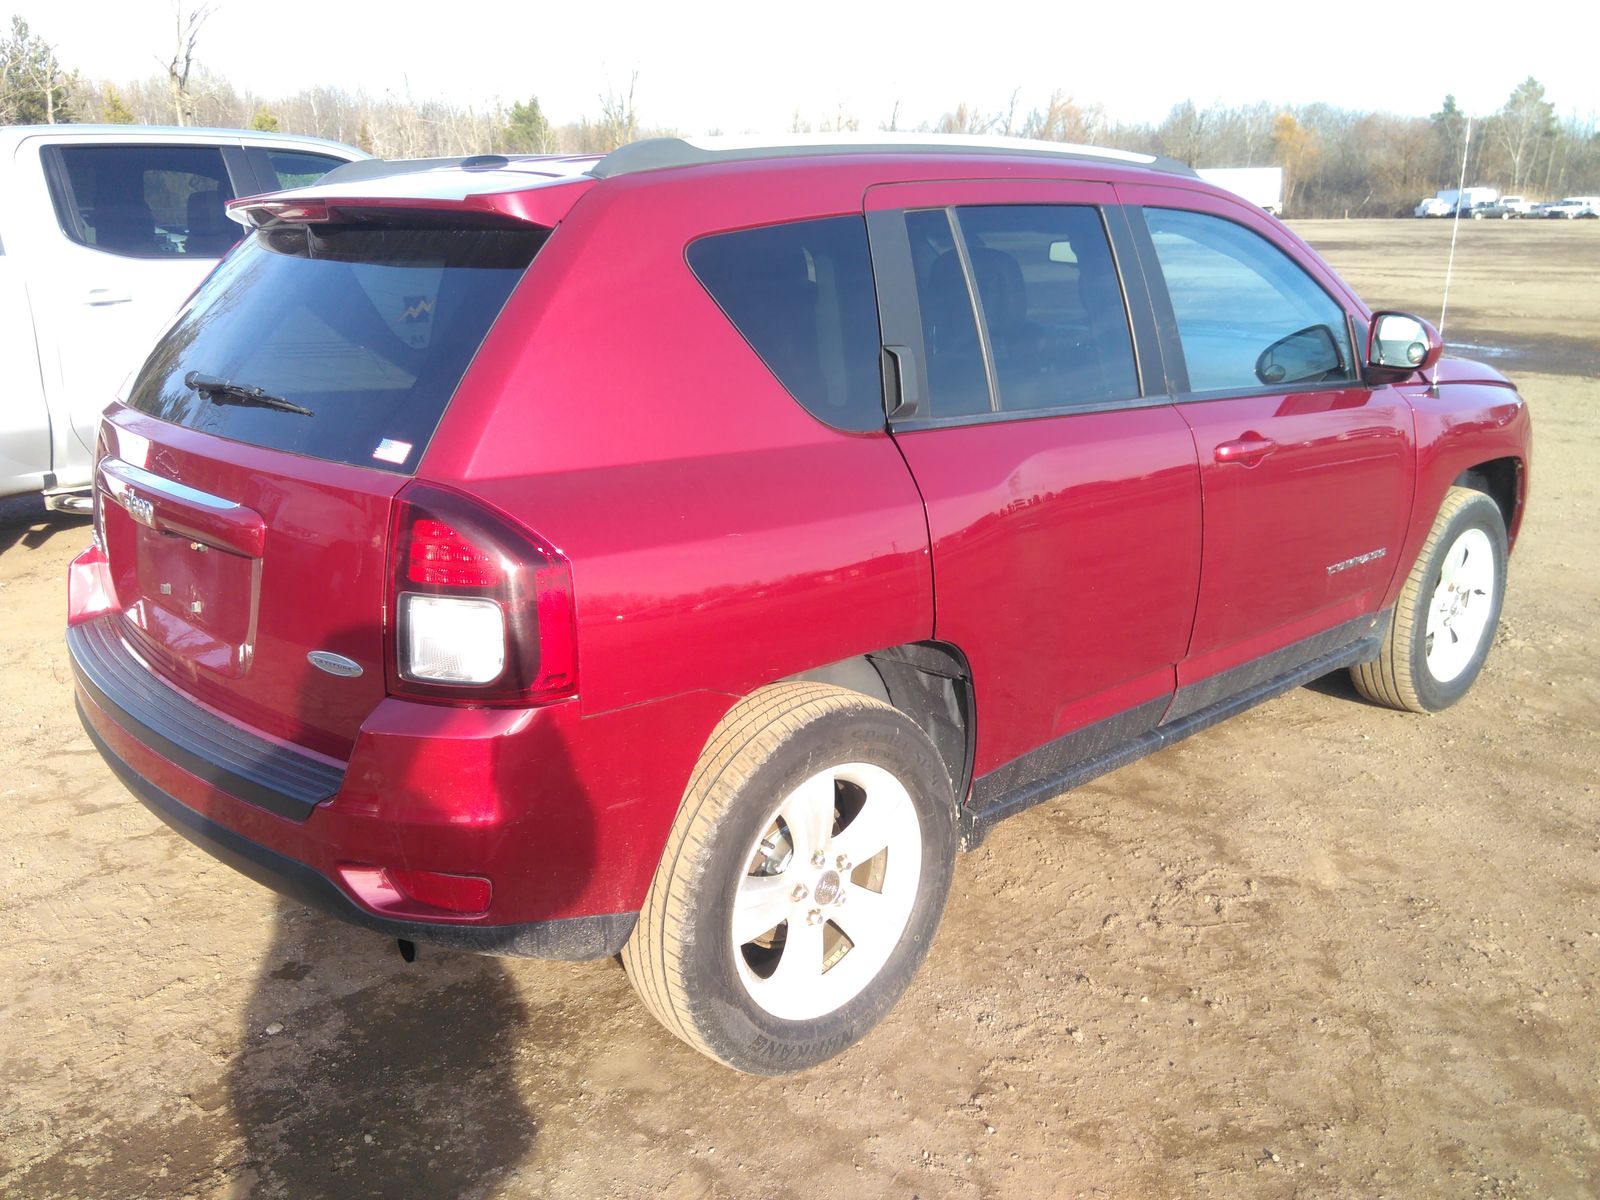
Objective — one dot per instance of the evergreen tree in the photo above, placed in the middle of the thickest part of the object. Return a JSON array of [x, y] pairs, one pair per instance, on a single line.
[[112, 109], [34, 90], [527, 131]]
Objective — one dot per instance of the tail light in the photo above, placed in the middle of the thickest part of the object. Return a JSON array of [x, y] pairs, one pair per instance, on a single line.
[[481, 609]]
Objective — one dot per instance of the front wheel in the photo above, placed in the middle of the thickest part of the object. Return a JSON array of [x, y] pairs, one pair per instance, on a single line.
[[802, 881], [1445, 619]]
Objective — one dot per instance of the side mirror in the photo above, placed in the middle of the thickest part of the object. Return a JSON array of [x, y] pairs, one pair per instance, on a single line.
[[1309, 355], [1399, 344]]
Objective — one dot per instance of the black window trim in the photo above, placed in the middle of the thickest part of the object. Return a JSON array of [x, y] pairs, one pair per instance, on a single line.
[[1167, 318], [899, 315], [241, 177]]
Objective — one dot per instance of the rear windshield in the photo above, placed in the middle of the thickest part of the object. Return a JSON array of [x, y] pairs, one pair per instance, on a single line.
[[369, 328]]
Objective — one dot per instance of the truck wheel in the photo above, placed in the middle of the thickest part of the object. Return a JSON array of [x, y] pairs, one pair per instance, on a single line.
[[802, 881], [1445, 619]]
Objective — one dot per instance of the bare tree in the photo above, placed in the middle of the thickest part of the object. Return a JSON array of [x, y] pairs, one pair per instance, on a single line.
[[186, 22], [964, 119], [619, 120], [1064, 120]]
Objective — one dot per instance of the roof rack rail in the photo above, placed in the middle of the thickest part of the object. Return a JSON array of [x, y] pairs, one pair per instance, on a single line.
[[655, 154]]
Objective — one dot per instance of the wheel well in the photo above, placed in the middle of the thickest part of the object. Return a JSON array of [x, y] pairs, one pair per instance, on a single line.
[[928, 681], [1501, 480]]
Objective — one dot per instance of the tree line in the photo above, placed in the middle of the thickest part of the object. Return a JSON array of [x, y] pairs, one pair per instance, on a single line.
[[1336, 161]]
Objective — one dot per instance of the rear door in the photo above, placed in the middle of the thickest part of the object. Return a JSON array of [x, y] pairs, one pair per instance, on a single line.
[[132, 230], [245, 533], [1061, 489], [1306, 471]]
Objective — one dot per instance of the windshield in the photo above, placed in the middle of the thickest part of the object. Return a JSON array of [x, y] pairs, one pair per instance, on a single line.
[[369, 327]]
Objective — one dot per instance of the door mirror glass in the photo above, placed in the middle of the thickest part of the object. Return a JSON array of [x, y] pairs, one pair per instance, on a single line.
[[1402, 342], [1309, 355]]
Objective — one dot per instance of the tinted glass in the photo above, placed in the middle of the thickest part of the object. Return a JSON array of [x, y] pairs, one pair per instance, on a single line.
[[1248, 315], [300, 168], [371, 329], [957, 383], [1052, 305], [146, 201], [802, 296]]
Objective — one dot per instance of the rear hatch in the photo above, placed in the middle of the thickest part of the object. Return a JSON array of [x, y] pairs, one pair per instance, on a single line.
[[245, 487]]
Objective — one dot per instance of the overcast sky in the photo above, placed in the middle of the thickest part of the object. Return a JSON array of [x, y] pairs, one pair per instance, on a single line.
[[748, 67]]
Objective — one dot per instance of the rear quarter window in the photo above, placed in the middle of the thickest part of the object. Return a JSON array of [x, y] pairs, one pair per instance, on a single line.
[[802, 296]]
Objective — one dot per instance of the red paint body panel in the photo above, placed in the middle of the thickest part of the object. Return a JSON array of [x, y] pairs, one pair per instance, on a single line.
[[1335, 484], [721, 538], [1474, 416], [1063, 575], [319, 584]]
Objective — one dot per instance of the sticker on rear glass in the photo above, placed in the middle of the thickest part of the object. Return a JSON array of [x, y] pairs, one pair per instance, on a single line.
[[391, 451]]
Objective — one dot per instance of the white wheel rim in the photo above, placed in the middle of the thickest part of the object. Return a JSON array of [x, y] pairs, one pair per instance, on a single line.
[[1458, 613], [827, 890]]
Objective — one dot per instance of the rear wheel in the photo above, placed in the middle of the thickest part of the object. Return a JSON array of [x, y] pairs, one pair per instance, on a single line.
[[1445, 619], [802, 882]]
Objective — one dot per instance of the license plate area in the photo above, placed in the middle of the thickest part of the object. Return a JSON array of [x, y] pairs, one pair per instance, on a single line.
[[193, 603]]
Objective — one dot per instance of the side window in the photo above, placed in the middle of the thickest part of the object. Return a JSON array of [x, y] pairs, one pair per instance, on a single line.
[[146, 201], [1248, 315], [1051, 304], [802, 296], [301, 168]]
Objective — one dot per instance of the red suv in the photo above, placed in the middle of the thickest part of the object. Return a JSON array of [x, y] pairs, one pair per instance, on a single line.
[[684, 552]]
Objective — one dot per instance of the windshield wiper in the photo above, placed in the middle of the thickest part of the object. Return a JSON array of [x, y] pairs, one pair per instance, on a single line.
[[225, 391]]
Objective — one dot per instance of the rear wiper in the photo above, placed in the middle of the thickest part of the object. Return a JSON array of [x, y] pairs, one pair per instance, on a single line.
[[224, 391]]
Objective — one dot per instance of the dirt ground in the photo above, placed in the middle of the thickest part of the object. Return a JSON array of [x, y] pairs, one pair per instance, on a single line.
[[1322, 950]]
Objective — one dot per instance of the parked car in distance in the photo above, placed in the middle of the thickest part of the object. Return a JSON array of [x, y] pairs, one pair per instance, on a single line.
[[1507, 208], [104, 229], [682, 553], [1573, 207], [1432, 206]]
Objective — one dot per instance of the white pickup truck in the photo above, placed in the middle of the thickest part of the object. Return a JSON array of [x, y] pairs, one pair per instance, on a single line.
[[104, 230]]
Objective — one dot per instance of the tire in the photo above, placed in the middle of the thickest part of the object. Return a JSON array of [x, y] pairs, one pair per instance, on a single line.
[[1445, 619], [791, 767]]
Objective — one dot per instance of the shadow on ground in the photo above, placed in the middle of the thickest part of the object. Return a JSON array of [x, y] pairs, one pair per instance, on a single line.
[[361, 1079], [32, 530]]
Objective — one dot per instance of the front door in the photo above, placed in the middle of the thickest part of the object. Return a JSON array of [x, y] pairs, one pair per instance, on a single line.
[[1061, 489], [1306, 471]]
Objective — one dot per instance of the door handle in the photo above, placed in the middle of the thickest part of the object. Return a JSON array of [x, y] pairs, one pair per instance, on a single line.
[[100, 297], [1246, 450]]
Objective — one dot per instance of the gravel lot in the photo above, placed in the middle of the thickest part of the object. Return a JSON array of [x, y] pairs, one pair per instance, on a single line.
[[1323, 950]]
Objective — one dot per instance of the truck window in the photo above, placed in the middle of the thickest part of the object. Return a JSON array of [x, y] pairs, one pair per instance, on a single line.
[[145, 201], [301, 168]]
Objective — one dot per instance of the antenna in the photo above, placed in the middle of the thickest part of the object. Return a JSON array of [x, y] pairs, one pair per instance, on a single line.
[[1455, 225]]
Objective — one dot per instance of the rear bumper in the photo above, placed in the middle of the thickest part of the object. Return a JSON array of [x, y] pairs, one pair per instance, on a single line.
[[570, 938], [427, 788]]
